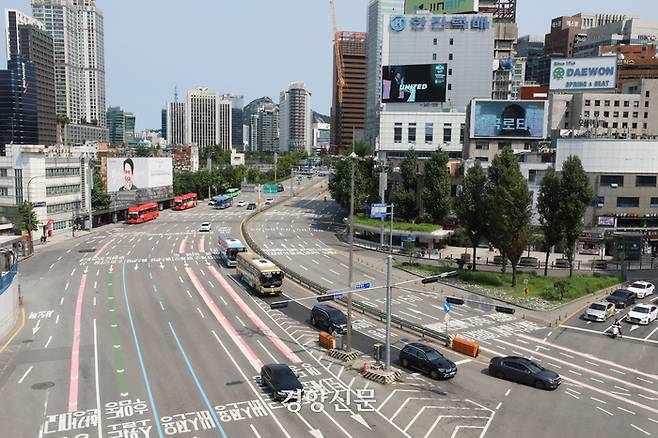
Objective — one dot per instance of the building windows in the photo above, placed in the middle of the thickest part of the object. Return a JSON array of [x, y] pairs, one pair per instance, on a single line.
[[599, 202], [636, 104], [596, 113], [412, 133], [586, 113], [636, 114], [646, 115], [434, 42], [449, 72], [612, 180], [447, 133], [462, 133], [588, 102], [482, 146], [606, 113], [482, 159], [615, 125], [616, 103], [429, 132], [449, 56], [628, 202], [449, 86], [625, 114], [615, 114], [452, 41], [597, 103], [634, 125], [647, 94], [654, 203], [606, 103], [63, 208], [4, 191], [627, 104], [433, 56], [644, 125], [645, 181], [59, 172], [397, 132], [3, 172], [62, 190], [624, 125]]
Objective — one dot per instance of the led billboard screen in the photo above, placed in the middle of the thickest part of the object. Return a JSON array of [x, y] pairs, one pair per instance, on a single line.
[[441, 6], [508, 119], [132, 174], [420, 83]]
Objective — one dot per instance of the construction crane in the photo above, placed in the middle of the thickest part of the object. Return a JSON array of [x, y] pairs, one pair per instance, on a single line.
[[340, 81]]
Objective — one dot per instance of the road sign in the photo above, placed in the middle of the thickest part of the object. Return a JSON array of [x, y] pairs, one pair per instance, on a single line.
[[270, 188], [447, 307], [362, 285], [378, 211], [409, 238], [39, 204], [525, 281]]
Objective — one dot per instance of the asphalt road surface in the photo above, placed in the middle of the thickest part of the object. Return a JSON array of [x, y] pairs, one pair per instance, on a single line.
[[138, 331]]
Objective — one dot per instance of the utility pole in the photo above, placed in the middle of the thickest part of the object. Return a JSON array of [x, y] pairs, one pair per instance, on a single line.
[[389, 299], [390, 243], [382, 193], [353, 157], [276, 156]]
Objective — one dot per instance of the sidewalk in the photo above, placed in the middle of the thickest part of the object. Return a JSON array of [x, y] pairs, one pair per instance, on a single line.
[[66, 236]]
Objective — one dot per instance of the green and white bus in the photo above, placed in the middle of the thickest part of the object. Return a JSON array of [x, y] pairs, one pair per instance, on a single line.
[[232, 193], [262, 275]]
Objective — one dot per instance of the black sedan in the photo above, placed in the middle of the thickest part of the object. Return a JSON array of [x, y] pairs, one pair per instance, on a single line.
[[282, 381], [522, 370], [427, 360], [621, 298]]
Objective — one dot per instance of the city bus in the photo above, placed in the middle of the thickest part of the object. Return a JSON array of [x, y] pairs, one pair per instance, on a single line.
[[222, 202], [232, 193], [262, 275], [183, 202], [229, 248], [143, 213]]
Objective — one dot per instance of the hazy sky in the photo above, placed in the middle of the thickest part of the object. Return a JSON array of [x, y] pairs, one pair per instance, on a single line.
[[254, 48]]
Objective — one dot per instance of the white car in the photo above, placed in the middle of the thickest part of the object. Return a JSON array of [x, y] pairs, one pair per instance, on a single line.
[[269, 201], [642, 314], [642, 288], [241, 203], [205, 227]]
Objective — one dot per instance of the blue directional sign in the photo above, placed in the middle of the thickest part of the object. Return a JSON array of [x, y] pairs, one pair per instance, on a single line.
[[362, 285], [39, 204], [409, 238], [378, 211], [447, 307]]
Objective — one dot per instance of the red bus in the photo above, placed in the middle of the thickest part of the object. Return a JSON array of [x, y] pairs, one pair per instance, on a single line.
[[183, 202], [143, 213]]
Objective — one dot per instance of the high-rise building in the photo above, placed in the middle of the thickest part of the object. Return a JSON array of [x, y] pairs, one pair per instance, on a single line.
[[18, 104], [624, 32], [163, 123], [237, 104], [348, 117], [28, 41], [121, 126], [176, 123], [529, 46], [295, 130], [207, 119], [375, 29], [267, 128], [76, 27]]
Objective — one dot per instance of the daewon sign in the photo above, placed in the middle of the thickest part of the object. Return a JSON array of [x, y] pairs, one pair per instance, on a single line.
[[596, 73]]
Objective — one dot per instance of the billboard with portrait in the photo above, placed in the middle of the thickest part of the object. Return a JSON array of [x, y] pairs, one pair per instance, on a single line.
[[421, 83], [508, 119], [595, 73], [441, 6], [132, 174]]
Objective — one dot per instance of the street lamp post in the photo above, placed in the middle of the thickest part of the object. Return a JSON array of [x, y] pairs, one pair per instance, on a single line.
[[389, 299], [353, 157]]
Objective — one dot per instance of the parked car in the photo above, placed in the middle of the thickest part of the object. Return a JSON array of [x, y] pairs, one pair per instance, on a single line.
[[279, 187], [427, 360], [642, 314], [241, 203], [522, 370], [205, 227], [282, 381], [269, 201], [328, 319], [600, 311], [251, 206], [642, 288], [211, 202], [621, 298]]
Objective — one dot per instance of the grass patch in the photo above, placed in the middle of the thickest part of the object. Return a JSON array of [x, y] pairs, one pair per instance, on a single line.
[[538, 285], [401, 226]]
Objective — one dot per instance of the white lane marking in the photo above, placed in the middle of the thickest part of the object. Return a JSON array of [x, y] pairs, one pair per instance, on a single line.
[[344, 265], [253, 429], [621, 389], [600, 401], [596, 380], [462, 362], [303, 267], [266, 351], [654, 331], [61, 301], [51, 266], [625, 410], [240, 321], [652, 420], [644, 380], [223, 301], [523, 342], [554, 366], [181, 280], [288, 257], [499, 405], [641, 430], [94, 301], [57, 319], [334, 272], [48, 342], [507, 393], [566, 355], [603, 410], [201, 313], [328, 281], [618, 372], [97, 378], [572, 395], [575, 372], [66, 286], [188, 293], [592, 363], [25, 375], [315, 261]]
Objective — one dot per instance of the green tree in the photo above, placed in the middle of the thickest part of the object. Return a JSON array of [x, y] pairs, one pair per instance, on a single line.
[[142, 151], [436, 192], [361, 148], [548, 206], [404, 193], [366, 183], [27, 217], [100, 200], [575, 195], [509, 211], [253, 175], [471, 206]]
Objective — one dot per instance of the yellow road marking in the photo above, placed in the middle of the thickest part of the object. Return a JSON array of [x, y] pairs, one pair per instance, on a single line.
[[16, 332]]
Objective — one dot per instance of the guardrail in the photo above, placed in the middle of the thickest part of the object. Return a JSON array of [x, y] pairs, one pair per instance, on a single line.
[[318, 289]]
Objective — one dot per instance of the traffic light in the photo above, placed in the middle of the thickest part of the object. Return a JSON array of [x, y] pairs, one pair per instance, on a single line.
[[453, 300], [501, 309], [431, 279], [279, 305]]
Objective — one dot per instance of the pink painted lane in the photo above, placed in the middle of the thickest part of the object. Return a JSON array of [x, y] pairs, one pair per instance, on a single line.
[[202, 245], [75, 349], [102, 248], [183, 244], [278, 343], [225, 323], [588, 356]]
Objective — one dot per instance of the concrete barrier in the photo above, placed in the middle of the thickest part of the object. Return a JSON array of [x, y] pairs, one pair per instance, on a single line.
[[9, 310]]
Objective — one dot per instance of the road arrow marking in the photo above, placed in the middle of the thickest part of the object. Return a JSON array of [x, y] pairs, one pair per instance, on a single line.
[[136, 266], [161, 265], [634, 327], [361, 420], [36, 328]]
